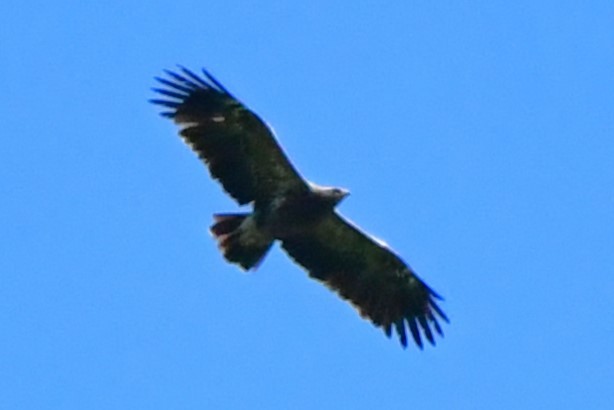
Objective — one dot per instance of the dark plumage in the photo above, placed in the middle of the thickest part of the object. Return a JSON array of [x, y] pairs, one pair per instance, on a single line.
[[241, 152]]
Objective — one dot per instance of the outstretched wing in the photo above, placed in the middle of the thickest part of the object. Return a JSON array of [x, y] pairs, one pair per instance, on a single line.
[[238, 147], [368, 274]]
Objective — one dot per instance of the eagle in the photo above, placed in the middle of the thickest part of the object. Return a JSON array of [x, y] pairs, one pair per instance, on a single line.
[[241, 152]]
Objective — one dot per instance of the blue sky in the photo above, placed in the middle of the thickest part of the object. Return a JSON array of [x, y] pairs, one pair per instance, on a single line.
[[476, 138]]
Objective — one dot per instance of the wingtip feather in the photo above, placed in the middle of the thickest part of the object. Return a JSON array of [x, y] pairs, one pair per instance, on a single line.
[[426, 329], [194, 77], [439, 311], [219, 85], [169, 93], [413, 327], [182, 80], [400, 327], [165, 103], [171, 84]]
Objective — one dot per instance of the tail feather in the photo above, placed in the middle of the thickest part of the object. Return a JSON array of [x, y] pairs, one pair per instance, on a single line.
[[240, 243], [226, 223]]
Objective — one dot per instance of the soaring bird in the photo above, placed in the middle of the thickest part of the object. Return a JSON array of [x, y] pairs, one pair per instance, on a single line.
[[242, 153]]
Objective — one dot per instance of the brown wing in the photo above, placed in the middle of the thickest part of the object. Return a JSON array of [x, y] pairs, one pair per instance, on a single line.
[[368, 274], [238, 147]]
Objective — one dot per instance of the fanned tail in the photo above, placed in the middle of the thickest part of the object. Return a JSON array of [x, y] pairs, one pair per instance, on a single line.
[[239, 239]]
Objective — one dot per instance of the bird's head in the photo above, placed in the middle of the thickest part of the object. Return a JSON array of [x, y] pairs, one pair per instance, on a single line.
[[332, 195]]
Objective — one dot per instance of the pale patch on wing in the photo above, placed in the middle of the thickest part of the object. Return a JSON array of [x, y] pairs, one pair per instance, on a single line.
[[183, 125]]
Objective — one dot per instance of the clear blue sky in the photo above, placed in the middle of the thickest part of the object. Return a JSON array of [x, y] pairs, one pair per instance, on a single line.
[[477, 139]]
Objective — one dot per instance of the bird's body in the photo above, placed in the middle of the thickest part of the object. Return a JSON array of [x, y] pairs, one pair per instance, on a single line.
[[242, 153], [245, 238]]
